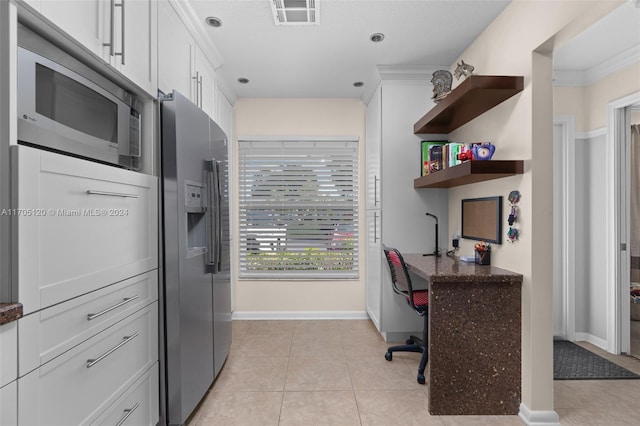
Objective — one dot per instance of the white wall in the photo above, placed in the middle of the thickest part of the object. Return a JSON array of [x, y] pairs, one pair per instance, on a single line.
[[300, 117]]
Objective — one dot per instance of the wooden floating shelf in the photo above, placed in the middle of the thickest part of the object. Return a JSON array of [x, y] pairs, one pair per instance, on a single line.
[[470, 172], [474, 96]]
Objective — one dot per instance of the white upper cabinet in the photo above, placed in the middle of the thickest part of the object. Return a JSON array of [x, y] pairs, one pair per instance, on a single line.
[[182, 65], [175, 48], [134, 41], [224, 113], [84, 20], [205, 75], [122, 33]]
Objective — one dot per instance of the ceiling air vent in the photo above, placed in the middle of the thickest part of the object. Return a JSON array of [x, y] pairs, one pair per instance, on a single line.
[[295, 12]]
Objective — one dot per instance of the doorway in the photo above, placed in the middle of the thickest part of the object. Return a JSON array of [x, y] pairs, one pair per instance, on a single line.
[[593, 271], [634, 230]]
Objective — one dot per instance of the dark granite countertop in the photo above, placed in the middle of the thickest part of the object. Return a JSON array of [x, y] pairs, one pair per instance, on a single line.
[[450, 269], [10, 312]]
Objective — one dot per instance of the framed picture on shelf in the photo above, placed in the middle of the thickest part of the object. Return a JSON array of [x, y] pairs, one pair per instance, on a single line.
[[431, 156]]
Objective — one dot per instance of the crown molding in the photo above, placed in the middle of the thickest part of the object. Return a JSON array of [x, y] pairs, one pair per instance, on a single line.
[[580, 78]]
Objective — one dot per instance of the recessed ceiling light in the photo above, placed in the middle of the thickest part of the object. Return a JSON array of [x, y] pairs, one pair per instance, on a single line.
[[377, 37], [243, 80], [213, 21], [358, 84]]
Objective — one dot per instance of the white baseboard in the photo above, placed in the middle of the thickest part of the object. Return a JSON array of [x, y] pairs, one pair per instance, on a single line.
[[586, 337], [299, 315], [538, 418]]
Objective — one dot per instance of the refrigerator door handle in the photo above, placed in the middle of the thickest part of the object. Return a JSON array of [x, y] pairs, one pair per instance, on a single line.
[[218, 215], [212, 213]]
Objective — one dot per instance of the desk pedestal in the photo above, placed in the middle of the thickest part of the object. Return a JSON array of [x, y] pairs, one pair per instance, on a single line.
[[474, 351], [474, 336]]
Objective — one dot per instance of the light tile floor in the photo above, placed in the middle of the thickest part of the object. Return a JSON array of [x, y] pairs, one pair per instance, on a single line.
[[333, 373]]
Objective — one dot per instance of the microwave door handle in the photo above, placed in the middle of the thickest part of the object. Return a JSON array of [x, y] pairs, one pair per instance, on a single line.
[[211, 222], [112, 28]]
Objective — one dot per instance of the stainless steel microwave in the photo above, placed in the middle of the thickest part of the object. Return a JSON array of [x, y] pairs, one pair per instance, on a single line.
[[71, 108]]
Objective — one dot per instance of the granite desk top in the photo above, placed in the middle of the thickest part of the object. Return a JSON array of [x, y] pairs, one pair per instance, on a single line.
[[10, 312], [451, 269]]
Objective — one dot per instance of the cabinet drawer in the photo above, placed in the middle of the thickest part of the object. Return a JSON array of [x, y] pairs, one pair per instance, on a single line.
[[9, 404], [137, 406], [80, 226], [80, 384], [8, 353], [50, 332]]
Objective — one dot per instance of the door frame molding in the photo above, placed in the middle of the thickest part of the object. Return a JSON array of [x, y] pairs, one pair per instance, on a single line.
[[564, 179], [617, 224]]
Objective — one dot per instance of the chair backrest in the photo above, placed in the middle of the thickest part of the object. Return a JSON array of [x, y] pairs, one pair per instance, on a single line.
[[400, 278]]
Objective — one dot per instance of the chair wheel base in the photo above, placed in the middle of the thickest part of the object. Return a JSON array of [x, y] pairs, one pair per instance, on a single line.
[[388, 356], [421, 379]]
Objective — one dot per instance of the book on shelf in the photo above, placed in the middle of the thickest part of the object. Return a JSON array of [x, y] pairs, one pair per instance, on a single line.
[[432, 158], [440, 155]]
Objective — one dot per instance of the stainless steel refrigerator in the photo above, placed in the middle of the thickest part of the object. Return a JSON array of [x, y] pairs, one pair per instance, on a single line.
[[196, 275]]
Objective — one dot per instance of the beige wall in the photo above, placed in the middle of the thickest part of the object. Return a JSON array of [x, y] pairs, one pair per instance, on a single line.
[[589, 103], [570, 101], [520, 42], [599, 94], [300, 117]]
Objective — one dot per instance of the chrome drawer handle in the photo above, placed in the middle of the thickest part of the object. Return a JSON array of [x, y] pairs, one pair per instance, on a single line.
[[112, 194], [116, 306], [127, 339], [127, 413]]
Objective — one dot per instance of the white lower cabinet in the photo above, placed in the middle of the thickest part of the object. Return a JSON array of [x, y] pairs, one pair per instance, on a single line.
[[8, 374], [50, 332], [137, 406], [81, 384], [81, 226], [9, 404], [8, 353]]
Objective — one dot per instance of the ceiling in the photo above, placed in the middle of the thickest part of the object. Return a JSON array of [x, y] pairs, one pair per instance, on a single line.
[[323, 61], [616, 34]]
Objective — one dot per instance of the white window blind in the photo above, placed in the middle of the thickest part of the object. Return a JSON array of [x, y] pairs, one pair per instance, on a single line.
[[298, 208]]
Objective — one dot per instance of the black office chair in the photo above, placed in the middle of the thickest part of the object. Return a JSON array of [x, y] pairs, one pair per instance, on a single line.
[[419, 302]]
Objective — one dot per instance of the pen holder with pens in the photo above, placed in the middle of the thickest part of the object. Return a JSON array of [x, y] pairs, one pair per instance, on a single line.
[[483, 257]]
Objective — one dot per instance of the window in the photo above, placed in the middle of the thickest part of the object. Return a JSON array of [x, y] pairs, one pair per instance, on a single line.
[[298, 208]]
